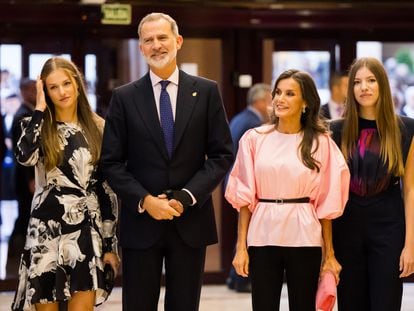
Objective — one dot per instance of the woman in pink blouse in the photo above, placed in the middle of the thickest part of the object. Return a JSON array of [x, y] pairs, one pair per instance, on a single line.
[[288, 181]]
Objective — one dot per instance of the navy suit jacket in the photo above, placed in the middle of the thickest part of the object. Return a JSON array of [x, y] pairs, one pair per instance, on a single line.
[[242, 122], [324, 111], [135, 160]]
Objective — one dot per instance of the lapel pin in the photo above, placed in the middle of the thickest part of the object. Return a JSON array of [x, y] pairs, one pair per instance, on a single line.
[[194, 94]]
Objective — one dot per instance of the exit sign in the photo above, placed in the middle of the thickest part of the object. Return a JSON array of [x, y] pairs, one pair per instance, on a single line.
[[116, 14]]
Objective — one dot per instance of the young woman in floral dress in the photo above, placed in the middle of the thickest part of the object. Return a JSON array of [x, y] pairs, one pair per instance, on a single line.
[[71, 233]]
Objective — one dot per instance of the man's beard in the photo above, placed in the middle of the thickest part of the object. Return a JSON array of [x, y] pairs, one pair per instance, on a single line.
[[161, 63]]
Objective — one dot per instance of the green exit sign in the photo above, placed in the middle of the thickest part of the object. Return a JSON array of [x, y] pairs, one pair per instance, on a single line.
[[116, 14]]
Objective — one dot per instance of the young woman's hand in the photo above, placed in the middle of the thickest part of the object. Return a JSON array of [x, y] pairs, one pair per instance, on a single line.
[[40, 95], [113, 260]]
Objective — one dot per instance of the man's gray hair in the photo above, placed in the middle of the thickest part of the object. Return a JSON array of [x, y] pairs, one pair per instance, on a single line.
[[156, 16], [257, 91]]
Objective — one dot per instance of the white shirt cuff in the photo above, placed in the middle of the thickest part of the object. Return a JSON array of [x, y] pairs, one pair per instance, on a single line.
[[140, 208], [192, 197]]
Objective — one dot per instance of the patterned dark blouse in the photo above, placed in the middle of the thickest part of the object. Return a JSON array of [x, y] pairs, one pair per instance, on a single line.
[[73, 221], [369, 175]]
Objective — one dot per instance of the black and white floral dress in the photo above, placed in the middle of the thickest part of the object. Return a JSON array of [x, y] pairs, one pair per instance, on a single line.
[[73, 221]]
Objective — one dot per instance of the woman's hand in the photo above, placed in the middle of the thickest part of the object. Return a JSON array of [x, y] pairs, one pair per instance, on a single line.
[[407, 262], [241, 262], [113, 260], [331, 264], [40, 95]]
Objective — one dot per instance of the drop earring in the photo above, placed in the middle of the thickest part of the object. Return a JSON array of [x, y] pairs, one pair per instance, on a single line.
[[304, 109]]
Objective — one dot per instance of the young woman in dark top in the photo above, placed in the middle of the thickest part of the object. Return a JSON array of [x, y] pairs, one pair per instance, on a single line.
[[374, 239]]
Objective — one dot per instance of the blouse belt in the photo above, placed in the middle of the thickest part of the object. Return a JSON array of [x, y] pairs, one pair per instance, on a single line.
[[283, 201]]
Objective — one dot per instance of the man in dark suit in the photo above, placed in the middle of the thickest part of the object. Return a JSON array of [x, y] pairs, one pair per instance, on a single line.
[[165, 173], [334, 108]]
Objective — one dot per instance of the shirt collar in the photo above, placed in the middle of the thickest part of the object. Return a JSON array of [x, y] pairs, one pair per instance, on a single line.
[[173, 78], [335, 104]]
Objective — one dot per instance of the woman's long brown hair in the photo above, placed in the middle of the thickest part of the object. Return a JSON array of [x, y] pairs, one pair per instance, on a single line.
[[312, 125], [386, 118], [86, 118]]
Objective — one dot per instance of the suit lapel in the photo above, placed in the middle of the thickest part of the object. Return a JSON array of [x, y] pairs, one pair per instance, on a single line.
[[186, 99], [146, 107]]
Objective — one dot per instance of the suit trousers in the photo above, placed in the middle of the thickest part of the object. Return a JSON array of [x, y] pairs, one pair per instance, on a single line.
[[267, 268], [368, 240], [142, 269]]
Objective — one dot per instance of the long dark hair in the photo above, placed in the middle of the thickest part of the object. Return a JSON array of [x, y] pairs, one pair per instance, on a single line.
[[386, 118], [312, 125]]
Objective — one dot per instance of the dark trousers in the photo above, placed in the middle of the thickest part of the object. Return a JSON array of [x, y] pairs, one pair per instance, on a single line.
[[267, 267], [368, 240], [141, 275]]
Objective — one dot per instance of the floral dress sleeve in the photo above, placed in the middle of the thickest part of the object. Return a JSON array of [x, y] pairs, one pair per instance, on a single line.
[[28, 147], [108, 203]]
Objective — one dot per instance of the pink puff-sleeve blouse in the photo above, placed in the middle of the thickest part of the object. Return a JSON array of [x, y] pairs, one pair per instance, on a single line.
[[268, 166]]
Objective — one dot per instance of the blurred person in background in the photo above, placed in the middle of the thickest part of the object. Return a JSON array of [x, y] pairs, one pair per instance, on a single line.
[[10, 106], [334, 108], [23, 178], [3, 149], [259, 102], [408, 108]]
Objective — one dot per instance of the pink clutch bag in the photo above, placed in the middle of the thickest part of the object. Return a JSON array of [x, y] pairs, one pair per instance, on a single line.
[[326, 293]]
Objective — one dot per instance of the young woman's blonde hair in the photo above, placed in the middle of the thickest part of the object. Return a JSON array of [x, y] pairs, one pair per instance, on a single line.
[[386, 118], [312, 125], [86, 118]]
